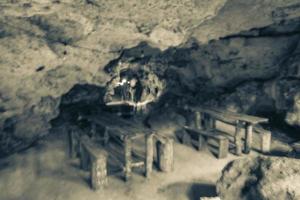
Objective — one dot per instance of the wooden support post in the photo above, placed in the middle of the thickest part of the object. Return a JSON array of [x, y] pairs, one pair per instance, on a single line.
[[93, 130], [186, 138], [223, 147], [84, 158], [248, 138], [71, 141], [165, 154], [201, 142], [205, 120], [212, 123], [149, 155], [209, 122], [106, 136], [198, 120], [127, 151], [238, 138], [266, 142], [99, 171]]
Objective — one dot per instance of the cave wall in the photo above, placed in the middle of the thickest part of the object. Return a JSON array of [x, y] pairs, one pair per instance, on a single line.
[[202, 49]]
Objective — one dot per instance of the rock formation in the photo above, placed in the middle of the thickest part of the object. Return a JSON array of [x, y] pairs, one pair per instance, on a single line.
[[244, 50], [260, 178]]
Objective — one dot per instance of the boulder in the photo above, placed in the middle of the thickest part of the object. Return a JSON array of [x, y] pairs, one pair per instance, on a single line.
[[260, 178]]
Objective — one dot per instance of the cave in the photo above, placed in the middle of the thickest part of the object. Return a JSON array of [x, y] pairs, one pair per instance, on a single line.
[[137, 100]]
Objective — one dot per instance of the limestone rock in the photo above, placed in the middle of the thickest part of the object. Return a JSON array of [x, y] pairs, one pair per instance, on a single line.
[[47, 47], [261, 178], [293, 117]]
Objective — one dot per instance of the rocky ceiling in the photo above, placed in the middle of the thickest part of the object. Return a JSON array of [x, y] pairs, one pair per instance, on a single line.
[[244, 54]]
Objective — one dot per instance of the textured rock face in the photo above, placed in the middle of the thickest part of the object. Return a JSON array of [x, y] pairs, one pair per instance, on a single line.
[[260, 178], [198, 47], [293, 117]]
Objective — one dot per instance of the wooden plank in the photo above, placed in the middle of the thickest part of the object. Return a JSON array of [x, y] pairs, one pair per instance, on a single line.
[[92, 149], [246, 118], [249, 138], [198, 120], [223, 148], [84, 158], [72, 143], [149, 155], [99, 172], [207, 133], [138, 164], [118, 103], [265, 136], [128, 161], [225, 115], [118, 125], [238, 138], [219, 147], [165, 154]]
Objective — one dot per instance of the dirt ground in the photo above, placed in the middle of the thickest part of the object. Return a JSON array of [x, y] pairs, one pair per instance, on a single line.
[[45, 172]]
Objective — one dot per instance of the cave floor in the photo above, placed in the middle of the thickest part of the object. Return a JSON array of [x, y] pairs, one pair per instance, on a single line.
[[45, 172]]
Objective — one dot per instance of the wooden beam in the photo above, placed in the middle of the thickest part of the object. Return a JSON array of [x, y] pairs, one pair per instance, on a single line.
[[71, 142], [84, 158], [128, 160], [223, 147], [186, 138], [198, 120], [200, 142], [238, 138], [106, 136], [248, 138], [224, 115], [165, 154], [138, 164], [99, 171], [265, 139], [149, 155]]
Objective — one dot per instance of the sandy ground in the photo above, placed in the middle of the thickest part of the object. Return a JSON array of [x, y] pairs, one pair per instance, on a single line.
[[45, 172]]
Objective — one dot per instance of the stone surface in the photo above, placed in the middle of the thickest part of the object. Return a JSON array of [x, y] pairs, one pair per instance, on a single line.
[[195, 47], [260, 178], [293, 117]]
